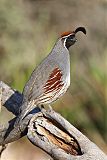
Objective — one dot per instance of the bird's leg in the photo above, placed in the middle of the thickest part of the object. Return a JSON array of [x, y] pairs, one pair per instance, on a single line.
[[41, 106], [50, 108]]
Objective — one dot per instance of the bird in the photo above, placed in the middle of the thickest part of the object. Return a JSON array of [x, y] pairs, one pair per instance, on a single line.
[[51, 78]]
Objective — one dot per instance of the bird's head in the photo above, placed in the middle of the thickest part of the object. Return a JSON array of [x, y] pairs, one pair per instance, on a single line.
[[68, 38]]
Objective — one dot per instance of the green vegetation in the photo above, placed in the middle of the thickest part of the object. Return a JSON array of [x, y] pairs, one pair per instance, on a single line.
[[28, 30]]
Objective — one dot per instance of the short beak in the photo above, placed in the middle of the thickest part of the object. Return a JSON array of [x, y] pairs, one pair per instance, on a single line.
[[74, 39]]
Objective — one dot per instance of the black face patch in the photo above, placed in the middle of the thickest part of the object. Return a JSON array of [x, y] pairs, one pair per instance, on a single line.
[[70, 40]]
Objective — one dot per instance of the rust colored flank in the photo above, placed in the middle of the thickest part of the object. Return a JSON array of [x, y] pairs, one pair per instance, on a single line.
[[54, 82]]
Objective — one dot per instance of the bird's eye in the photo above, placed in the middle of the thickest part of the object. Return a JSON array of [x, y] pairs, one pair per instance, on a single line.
[[70, 41], [71, 36]]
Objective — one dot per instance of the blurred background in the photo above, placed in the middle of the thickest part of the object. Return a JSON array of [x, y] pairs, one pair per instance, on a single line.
[[28, 31]]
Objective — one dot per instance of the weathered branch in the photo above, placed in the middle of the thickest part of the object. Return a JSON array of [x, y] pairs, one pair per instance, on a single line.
[[12, 100], [48, 130], [51, 132]]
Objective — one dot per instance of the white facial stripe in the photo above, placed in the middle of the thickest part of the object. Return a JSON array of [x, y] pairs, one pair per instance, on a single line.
[[67, 35], [52, 77], [65, 39], [64, 43]]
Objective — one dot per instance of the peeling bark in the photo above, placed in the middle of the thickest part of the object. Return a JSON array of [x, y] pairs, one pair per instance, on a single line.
[[56, 136], [47, 130]]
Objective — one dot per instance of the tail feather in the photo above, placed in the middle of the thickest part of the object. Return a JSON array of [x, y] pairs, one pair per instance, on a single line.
[[24, 110]]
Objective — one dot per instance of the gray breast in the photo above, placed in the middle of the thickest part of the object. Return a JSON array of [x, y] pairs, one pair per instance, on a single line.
[[40, 83]]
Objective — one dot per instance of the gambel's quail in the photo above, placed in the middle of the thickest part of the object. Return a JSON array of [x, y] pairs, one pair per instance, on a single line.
[[51, 79]]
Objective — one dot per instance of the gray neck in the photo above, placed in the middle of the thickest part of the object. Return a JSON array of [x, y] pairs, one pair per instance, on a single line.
[[59, 47]]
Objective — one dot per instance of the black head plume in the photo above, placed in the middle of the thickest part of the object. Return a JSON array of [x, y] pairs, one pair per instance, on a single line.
[[81, 29]]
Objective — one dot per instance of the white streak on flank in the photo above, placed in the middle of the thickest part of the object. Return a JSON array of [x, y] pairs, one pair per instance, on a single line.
[[52, 78], [55, 75], [44, 98], [47, 99], [49, 86], [49, 80], [51, 90]]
